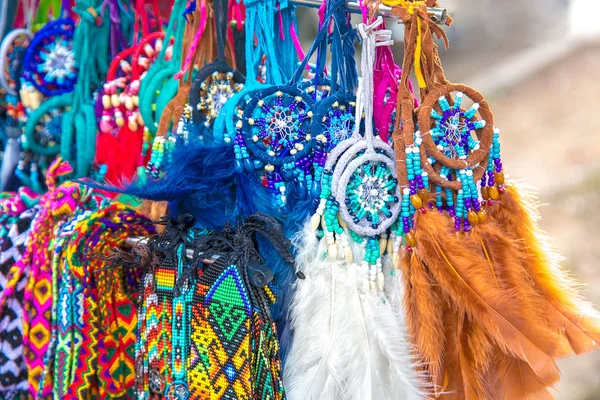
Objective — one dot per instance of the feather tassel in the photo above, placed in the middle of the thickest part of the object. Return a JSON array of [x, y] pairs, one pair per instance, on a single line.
[[499, 308], [349, 341], [473, 292], [568, 312]]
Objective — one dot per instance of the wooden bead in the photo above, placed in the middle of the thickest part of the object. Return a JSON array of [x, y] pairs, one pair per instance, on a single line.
[[482, 216], [494, 195], [396, 260], [382, 245], [485, 192], [424, 194], [332, 251], [416, 201], [341, 221], [132, 123], [315, 221], [499, 177], [472, 217], [410, 239], [348, 256]]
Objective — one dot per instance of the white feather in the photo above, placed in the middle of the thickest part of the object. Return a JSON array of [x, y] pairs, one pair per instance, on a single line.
[[349, 342]]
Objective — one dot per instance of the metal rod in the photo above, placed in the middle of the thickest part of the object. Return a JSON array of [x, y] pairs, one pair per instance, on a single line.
[[130, 242], [438, 15]]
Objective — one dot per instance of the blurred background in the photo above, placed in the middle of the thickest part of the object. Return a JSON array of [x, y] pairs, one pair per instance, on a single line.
[[537, 62]]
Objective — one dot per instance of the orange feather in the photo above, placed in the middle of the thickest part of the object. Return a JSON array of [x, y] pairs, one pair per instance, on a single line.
[[571, 316], [459, 266], [423, 307]]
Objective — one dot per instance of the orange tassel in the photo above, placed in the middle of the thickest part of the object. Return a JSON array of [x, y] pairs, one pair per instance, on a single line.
[[567, 312], [424, 317], [476, 282], [490, 310]]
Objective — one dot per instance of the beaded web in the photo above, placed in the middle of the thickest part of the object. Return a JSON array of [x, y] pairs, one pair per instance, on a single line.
[[12, 55], [371, 191], [50, 60], [453, 129], [214, 92], [461, 147], [275, 131]]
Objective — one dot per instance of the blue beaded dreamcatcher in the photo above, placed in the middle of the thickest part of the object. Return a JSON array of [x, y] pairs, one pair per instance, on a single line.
[[275, 136], [50, 58], [262, 64]]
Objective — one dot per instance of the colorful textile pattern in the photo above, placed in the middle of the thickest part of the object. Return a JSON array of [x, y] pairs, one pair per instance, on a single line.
[[235, 350], [266, 362], [37, 299], [163, 347], [13, 371], [101, 333], [222, 319]]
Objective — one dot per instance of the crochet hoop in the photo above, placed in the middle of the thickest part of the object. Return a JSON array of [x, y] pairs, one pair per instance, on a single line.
[[50, 60], [12, 54]]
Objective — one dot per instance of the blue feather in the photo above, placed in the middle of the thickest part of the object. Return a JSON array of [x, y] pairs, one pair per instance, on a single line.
[[201, 180]]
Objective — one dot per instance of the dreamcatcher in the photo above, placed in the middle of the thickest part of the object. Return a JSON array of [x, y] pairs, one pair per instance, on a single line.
[[123, 143], [274, 137], [349, 337], [498, 307]]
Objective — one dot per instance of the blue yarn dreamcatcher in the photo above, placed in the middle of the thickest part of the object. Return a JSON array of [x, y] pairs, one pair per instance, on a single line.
[[50, 58]]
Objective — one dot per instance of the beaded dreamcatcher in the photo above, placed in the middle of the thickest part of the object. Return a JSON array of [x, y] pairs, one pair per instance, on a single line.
[[347, 314], [274, 136], [216, 82], [123, 144], [262, 66], [476, 263]]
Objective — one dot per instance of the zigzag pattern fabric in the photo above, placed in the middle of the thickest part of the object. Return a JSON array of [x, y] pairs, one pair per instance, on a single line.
[[13, 371]]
